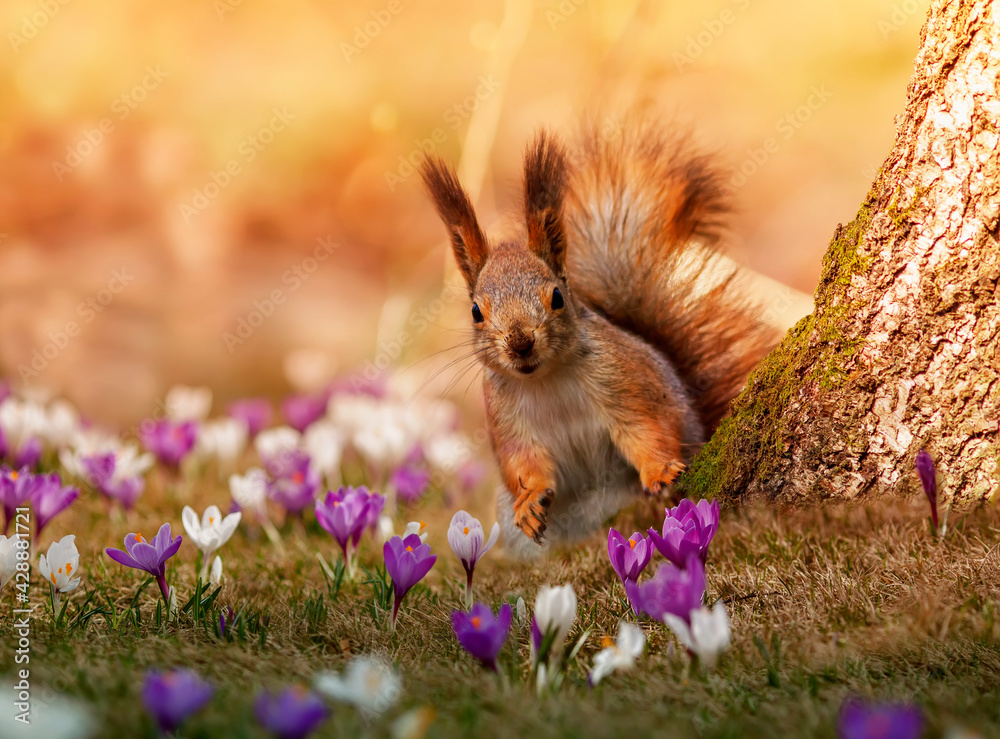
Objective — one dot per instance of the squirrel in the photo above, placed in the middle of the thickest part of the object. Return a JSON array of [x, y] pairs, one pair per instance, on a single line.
[[612, 332]]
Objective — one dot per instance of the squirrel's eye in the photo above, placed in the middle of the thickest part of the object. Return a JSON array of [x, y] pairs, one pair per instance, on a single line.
[[477, 315], [557, 299]]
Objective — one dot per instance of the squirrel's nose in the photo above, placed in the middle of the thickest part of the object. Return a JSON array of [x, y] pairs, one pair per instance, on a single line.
[[521, 344]]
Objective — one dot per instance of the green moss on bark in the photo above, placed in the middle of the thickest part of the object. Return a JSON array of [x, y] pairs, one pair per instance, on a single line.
[[753, 439]]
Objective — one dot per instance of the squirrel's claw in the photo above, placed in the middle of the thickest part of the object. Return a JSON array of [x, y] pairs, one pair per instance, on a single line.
[[661, 482], [531, 513]]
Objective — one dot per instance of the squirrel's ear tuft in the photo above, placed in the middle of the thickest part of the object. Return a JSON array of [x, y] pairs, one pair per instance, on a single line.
[[455, 208], [545, 177]]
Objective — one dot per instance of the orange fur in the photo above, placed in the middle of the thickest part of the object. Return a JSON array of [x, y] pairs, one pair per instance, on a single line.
[[605, 368]]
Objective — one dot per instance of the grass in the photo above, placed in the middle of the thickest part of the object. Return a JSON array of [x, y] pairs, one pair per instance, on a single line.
[[825, 604]]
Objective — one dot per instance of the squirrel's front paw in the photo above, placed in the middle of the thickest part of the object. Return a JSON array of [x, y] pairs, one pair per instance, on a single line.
[[656, 480], [531, 510]]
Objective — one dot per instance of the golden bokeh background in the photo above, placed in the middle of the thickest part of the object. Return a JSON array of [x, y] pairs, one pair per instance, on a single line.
[[167, 169]]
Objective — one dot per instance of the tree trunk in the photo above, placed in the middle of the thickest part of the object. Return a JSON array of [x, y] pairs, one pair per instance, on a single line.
[[901, 352]]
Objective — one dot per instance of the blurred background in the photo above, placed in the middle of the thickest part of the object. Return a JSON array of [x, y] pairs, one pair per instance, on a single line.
[[222, 192]]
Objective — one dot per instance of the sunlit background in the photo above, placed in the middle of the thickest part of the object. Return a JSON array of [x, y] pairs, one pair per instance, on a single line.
[[221, 193]]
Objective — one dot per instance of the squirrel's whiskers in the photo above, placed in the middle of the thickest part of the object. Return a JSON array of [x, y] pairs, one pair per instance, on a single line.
[[606, 362]]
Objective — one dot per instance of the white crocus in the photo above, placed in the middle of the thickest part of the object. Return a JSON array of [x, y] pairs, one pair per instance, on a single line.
[[8, 559], [324, 443], [130, 463], [469, 543], [272, 444], [555, 612], [416, 527], [249, 490], [413, 724], [61, 423], [385, 527], [215, 576], [56, 716], [225, 439], [448, 453], [619, 654], [383, 442], [210, 533], [368, 683], [188, 403], [351, 413], [58, 566], [709, 633], [22, 421]]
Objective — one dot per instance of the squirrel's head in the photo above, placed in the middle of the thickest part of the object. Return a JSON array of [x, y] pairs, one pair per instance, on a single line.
[[522, 312]]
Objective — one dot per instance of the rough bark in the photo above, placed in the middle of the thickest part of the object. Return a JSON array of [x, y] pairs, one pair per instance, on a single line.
[[902, 351]]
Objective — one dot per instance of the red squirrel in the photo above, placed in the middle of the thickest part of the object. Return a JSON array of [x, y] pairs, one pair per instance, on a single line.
[[612, 334]]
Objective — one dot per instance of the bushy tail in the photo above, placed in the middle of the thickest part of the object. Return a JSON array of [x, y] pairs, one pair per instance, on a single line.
[[644, 216]]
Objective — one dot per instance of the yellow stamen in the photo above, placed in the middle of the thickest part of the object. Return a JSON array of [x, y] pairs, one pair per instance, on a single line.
[[211, 520], [409, 549], [336, 503], [466, 531], [138, 538], [422, 526], [631, 543], [476, 622], [69, 568], [53, 577], [13, 475], [607, 641], [59, 570]]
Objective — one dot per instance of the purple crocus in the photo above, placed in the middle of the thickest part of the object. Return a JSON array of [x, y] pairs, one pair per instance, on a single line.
[[171, 441], [254, 412], [100, 470], [410, 481], [28, 453], [469, 475], [16, 488], [172, 697], [629, 557], [672, 590], [482, 634], [687, 529], [125, 490], [293, 482], [302, 411], [469, 543], [291, 714], [407, 562], [345, 514], [49, 498], [355, 384], [928, 479], [150, 556], [879, 721]]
